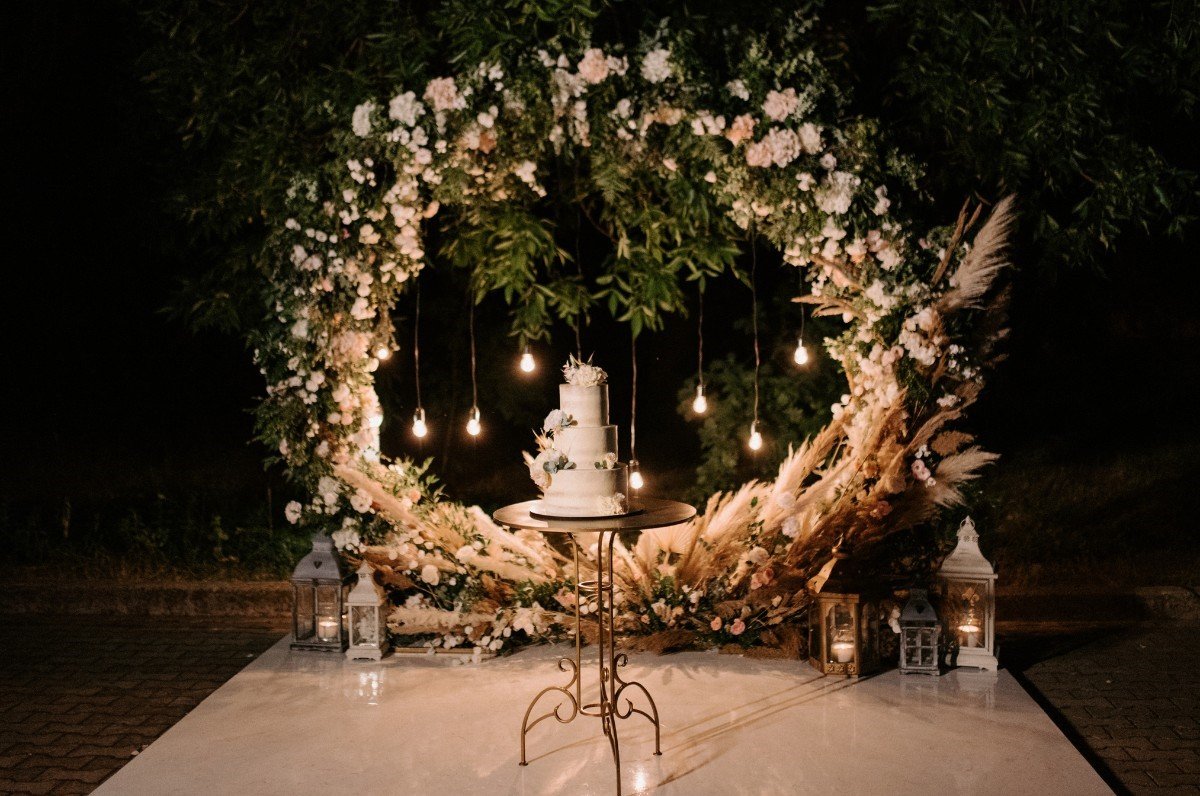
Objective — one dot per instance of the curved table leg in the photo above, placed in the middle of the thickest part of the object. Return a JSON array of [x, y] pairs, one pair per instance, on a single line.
[[565, 690]]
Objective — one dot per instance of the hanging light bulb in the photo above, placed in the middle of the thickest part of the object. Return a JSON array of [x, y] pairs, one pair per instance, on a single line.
[[700, 403], [473, 425], [419, 429], [635, 475], [801, 355], [527, 363], [756, 441], [382, 353]]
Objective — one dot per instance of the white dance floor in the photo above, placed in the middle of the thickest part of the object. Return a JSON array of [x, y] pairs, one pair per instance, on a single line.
[[294, 723]]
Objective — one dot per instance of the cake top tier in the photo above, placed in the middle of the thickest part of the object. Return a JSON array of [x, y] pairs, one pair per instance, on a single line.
[[583, 374]]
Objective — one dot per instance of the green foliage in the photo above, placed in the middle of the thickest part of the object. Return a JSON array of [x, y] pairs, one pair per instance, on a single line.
[[794, 405], [1085, 109], [158, 534]]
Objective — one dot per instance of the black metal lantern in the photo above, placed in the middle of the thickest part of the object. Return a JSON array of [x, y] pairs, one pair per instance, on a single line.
[[919, 634], [843, 619], [318, 599]]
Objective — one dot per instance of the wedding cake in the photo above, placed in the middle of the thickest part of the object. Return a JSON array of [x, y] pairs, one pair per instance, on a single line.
[[576, 466]]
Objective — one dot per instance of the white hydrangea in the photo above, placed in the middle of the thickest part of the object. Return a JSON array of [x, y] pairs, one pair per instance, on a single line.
[[778, 147], [593, 67], [656, 66], [406, 109], [360, 123], [780, 104], [347, 539], [810, 138], [737, 88], [835, 194], [442, 93]]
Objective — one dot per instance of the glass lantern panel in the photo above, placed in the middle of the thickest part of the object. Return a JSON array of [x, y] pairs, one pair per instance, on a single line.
[[305, 625], [967, 604], [364, 626], [839, 633], [329, 614], [921, 649]]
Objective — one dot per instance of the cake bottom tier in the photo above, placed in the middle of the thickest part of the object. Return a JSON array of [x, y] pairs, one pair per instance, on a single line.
[[587, 492]]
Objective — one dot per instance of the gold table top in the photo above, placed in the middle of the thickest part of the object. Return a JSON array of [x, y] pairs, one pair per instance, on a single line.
[[650, 513]]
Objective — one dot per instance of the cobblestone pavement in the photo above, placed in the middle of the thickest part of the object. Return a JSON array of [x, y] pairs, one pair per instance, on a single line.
[[1128, 697], [79, 696]]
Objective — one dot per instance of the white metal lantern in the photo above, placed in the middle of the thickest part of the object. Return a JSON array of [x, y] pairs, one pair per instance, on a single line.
[[967, 583], [368, 630], [919, 634], [317, 599]]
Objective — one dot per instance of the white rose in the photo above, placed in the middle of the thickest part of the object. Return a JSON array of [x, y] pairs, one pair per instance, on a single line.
[[292, 512], [360, 501], [553, 421]]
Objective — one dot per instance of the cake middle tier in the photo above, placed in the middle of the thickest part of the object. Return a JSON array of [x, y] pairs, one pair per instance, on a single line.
[[587, 405], [586, 445]]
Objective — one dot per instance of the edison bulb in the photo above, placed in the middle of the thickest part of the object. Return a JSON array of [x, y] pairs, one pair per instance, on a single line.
[[635, 479], [383, 353], [801, 355], [756, 441], [419, 429], [700, 404], [473, 425], [527, 363]]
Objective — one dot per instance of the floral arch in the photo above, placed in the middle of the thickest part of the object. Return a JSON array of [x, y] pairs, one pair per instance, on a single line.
[[678, 166]]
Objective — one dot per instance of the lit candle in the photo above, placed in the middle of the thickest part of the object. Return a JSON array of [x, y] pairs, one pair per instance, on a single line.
[[843, 651], [972, 633], [327, 628]]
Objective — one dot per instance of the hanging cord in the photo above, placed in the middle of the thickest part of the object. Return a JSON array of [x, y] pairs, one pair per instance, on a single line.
[[754, 318], [474, 383], [633, 403], [417, 343], [700, 342], [578, 270], [800, 279]]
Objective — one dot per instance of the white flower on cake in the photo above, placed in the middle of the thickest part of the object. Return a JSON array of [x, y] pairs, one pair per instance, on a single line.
[[608, 462], [556, 421], [583, 374], [613, 504], [546, 464]]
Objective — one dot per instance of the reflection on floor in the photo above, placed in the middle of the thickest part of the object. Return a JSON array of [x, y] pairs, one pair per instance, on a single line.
[[311, 723]]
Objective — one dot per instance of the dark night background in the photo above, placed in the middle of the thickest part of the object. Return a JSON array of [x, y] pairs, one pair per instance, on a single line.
[[110, 401]]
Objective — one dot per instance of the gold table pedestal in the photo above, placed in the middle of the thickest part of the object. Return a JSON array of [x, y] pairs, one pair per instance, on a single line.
[[651, 513]]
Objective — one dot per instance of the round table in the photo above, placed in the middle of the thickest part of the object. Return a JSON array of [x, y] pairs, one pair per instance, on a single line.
[[647, 513]]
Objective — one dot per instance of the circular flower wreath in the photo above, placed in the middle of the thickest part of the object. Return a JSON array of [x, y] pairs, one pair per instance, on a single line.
[[679, 167]]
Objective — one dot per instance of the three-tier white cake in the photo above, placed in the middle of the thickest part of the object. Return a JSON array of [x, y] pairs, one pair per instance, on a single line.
[[576, 467]]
